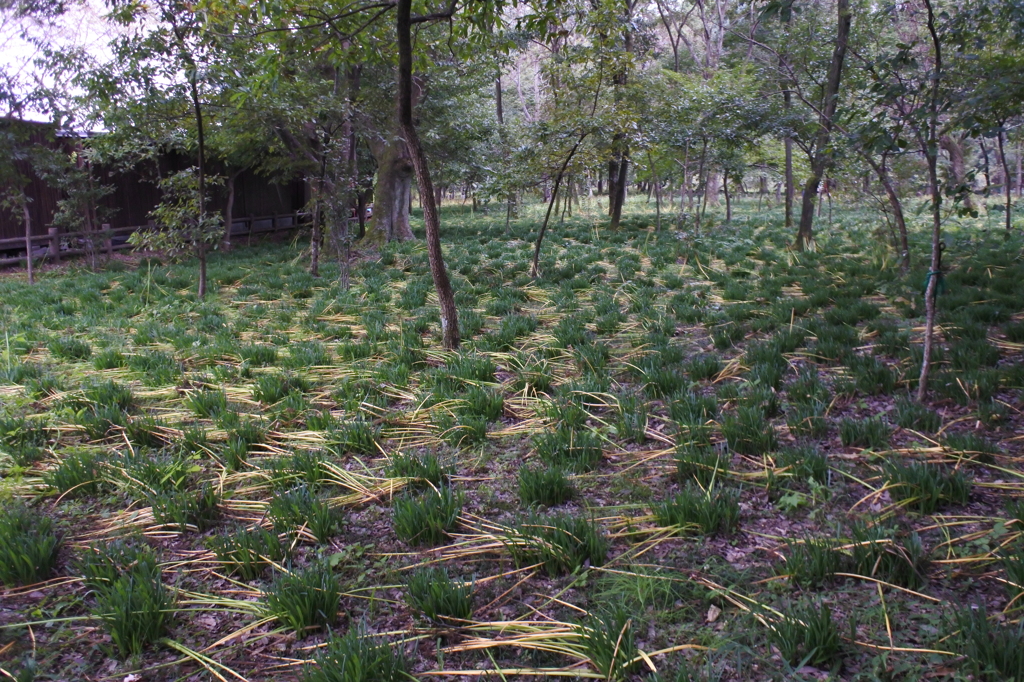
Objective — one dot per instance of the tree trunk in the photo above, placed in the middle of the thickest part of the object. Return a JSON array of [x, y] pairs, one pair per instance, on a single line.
[[957, 167], [618, 172], [728, 199], [535, 269], [711, 187], [445, 297], [931, 154], [896, 205], [1007, 189], [201, 168], [788, 103], [822, 157], [202, 271], [229, 212], [27, 217], [391, 194]]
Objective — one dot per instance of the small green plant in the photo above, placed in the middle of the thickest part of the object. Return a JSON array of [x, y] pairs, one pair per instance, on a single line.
[[79, 473], [246, 552], [358, 437], [110, 394], [135, 608], [272, 388], [881, 552], [207, 403], [70, 348], [700, 463], [258, 355], [427, 519], [748, 432], [483, 402], [427, 469], [632, 419], [563, 543], [109, 359], [807, 463], [103, 563], [609, 641], [432, 593], [806, 635], [872, 433], [546, 487], [358, 657], [991, 652], [29, 546], [711, 511], [812, 562], [186, 510], [925, 487], [306, 599], [911, 414], [972, 446], [807, 419], [703, 367], [576, 450], [300, 508], [644, 586]]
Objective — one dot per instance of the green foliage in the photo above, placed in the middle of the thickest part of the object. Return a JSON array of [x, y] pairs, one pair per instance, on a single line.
[[563, 543], [700, 463], [806, 463], [186, 510], [748, 432], [806, 634], [872, 432], [70, 348], [546, 487], [431, 593], [880, 552], [575, 450], [925, 487], [812, 562], [29, 546], [136, 608], [992, 652], [609, 641], [305, 599], [911, 414], [180, 228], [247, 552], [427, 468], [358, 657], [79, 474], [426, 520], [300, 508], [710, 511]]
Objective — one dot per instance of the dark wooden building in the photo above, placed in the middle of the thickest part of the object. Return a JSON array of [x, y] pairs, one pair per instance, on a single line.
[[134, 192]]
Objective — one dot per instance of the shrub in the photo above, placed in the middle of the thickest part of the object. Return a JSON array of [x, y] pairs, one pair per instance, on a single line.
[[562, 543], [712, 511], [432, 594], [306, 599], [427, 519], [28, 546], [548, 487]]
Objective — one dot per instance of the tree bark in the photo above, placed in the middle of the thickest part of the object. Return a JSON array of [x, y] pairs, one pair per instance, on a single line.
[[931, 154], [1007, 189], [431, 221], [896, 205], [822, 156], [391, 193], [957, 167], [788, 103]]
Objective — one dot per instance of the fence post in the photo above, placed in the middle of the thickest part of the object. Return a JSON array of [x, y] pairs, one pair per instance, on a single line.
[[108, 241], [54, 244]]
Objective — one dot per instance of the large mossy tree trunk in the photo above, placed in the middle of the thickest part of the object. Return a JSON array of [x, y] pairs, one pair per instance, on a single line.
[[431, 220], [391, 193]]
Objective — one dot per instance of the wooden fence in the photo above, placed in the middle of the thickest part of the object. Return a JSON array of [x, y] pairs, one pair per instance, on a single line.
[[56, 245]]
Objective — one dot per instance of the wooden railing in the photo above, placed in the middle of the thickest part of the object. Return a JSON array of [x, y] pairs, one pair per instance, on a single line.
[[56, 245]]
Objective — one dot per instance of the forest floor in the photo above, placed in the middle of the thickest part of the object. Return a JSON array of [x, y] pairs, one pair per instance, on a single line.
[[690, 453]]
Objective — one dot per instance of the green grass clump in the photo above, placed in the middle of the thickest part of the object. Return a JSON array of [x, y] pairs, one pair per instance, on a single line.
[[808, 419], [431, 593], [257, 355], [576, 450], [306, 599], [703, 367], [69, 348], [134, 605], [872, 432], [358, 657], [109, 359], [911, 414], [991, 652], [358, 437], [79, 473], [29, 546], [427, 519], [272, 388], [609, 641], [563, 543], [301, 508], [110, 394], [883, 553], [247, 552], [546, 487], [812, 562], [711, 511], [700, 463], [806, 634], [643, 586], [207, 403], [972, 446], [748, 432], [186, 510], [632, 419], [925, 487], [806, 463], [484, 402], [426, 468]]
